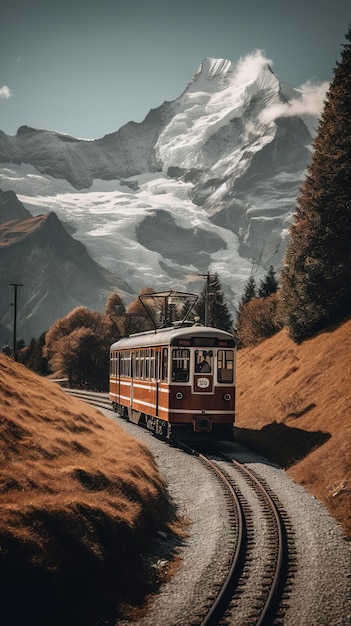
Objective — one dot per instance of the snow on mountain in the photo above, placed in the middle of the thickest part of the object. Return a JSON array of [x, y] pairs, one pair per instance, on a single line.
[[206, 182]]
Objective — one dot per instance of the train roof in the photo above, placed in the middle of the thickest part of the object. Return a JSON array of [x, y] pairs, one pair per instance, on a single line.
[[174, 335]]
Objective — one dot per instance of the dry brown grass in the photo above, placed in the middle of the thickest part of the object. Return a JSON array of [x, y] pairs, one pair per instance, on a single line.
[[294, 405], [79, 501]]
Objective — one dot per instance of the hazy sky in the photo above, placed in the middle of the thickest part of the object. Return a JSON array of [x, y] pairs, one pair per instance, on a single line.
[[86, 67]]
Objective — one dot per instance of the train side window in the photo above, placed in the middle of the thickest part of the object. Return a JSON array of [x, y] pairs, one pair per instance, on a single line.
[[147, 364], [180, 365], [225, 366], [136, 364], [152, 364], [158, 365], [164, 364], [126, 364]]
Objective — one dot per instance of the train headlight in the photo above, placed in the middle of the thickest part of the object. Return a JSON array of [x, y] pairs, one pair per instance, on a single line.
[[179, 395], [227, 397]]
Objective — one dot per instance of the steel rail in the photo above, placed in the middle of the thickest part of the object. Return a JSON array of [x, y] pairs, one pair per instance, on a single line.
[[278, 571], [223, 597]]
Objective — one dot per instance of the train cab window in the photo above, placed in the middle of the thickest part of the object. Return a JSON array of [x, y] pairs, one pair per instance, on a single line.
[[203, 361], [164, 367], [180, 365], [225, 366]]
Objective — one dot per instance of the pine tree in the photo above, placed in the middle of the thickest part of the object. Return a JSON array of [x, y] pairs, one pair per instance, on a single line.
[[316, 286], [249, 293], [218, 312], [269, 284]]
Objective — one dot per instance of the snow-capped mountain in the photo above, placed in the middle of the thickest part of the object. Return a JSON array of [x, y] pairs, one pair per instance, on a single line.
[[207, 182]]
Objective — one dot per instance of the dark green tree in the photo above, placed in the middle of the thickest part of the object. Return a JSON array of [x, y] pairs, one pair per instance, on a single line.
[[36, 360], [218, 312], [249, 294], [269, 284], [316, 285]]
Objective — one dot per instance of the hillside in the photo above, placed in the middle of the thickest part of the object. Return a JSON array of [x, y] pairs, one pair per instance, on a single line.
[[293, 406], [80, 503], [80, 499]]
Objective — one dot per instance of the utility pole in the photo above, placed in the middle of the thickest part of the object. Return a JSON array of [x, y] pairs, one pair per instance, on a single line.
[[14, 304]]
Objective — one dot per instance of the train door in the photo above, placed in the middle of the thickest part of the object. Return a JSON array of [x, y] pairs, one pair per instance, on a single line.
[[157, 378], [203, 371]]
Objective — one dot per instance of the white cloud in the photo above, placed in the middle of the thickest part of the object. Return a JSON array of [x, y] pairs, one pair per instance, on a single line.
[[310, 103], [249, 67], [5, 92]]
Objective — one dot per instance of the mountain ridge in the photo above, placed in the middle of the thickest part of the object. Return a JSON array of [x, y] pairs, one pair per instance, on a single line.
[[56, 274], [221, 165]]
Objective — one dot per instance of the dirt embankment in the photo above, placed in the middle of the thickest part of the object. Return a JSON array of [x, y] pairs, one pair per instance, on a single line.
[[294, 406], [80, 505]]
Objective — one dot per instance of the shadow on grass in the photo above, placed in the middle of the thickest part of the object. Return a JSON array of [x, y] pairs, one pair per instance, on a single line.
[[279, 443], [92, 571]]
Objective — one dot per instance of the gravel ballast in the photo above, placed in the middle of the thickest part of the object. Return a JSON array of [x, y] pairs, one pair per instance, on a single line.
[[320, 594]]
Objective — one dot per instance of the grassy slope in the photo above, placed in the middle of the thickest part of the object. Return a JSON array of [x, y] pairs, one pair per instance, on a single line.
[[79, 499], [294, 406]]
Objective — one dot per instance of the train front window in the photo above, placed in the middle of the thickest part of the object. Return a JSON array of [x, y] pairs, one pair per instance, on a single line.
[[203, 361], [180, 365], [225, 366]]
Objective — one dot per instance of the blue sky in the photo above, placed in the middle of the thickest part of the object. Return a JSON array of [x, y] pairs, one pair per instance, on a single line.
[[86, 67]]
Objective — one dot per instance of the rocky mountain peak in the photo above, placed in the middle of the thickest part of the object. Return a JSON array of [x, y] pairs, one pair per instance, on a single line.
[[221, 166]]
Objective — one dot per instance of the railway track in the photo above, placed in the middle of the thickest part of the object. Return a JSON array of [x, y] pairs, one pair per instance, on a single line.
[[98, 399], [253, 588], [254, 591]]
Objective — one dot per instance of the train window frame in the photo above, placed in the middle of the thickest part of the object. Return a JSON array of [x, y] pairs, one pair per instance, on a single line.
[[223, 358], [180, 357]]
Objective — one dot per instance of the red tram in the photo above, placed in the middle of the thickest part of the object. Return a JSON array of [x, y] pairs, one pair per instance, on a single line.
[[178, 382]]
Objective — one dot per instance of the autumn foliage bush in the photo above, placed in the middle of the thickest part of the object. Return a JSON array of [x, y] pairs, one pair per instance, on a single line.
[[77, 346], [259, 319]]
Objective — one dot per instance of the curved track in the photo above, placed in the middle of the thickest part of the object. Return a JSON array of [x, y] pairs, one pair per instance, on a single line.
[[253, 588], [254, 583]]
